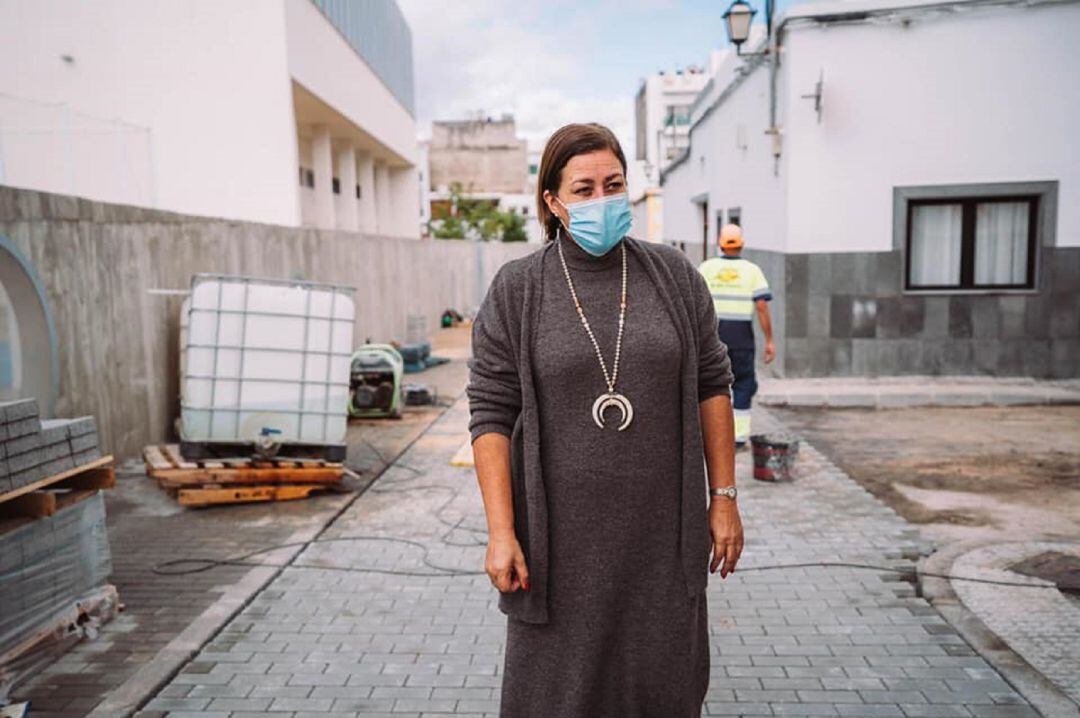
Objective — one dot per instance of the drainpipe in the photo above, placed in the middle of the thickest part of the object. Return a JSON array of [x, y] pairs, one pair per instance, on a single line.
[[775, 40]]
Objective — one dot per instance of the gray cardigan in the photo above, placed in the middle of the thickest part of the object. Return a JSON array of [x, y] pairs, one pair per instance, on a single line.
[[502, 398]]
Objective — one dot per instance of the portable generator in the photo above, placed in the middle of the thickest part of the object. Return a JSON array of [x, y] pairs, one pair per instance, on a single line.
[[375, 381]]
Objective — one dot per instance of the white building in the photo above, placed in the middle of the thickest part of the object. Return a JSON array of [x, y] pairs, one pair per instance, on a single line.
[[662, 116], [908, 176], [292, 112], [662, 133]]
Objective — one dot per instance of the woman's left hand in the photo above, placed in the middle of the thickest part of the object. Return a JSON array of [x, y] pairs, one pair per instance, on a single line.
[[725, 525]]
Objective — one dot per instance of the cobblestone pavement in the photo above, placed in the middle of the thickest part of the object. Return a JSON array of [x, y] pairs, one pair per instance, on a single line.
[[339, 634], [147, 528], [167, 618], [1041, 624]]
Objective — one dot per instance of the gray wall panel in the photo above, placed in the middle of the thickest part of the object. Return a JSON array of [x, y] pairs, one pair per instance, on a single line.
[[847, 311]]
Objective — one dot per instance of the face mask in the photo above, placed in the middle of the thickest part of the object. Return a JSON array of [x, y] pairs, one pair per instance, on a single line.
[[597, 225]]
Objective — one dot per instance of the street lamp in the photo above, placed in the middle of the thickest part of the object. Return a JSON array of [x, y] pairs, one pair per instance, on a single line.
[[738, 19]]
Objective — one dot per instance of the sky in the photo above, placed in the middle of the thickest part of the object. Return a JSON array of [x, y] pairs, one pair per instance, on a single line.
[[551, 62]]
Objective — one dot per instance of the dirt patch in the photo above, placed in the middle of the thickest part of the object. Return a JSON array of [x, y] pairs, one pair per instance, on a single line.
[[963, 472]]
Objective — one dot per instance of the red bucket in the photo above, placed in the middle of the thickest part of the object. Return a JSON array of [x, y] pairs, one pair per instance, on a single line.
[[774, 456]]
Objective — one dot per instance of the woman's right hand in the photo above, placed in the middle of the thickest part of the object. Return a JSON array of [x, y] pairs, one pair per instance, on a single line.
[[505, 564]]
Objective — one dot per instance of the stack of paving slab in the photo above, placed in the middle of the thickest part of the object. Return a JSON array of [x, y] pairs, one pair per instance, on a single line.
[[53, 568], [53, 587], [32, 449]]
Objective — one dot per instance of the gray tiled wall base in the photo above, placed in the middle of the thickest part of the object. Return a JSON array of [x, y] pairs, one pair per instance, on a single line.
[[846, 315]]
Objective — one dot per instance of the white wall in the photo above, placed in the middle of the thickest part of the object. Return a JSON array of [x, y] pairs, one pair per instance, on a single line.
[[731, 163], [985, 95], [661, 90], [321, 60], [200, 88]]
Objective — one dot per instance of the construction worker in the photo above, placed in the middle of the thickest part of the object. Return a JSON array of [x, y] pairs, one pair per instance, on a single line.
[[739, 288]]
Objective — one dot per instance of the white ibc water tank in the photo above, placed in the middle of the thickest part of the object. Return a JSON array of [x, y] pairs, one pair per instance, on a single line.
[[265, 359]]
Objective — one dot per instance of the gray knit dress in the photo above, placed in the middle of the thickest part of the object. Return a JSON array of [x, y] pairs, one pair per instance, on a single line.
[[623, 640]]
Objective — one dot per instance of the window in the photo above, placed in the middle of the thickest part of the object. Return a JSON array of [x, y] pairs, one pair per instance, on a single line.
[[676, 115], [971, 243], [359, 194], [336, 185], [734, 216], [307, 177]]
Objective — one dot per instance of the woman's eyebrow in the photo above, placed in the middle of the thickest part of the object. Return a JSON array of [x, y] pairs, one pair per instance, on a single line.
[[617, 175], [586, 180]]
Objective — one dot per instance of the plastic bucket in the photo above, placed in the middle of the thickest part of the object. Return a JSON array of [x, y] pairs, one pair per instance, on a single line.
[[774, 456]]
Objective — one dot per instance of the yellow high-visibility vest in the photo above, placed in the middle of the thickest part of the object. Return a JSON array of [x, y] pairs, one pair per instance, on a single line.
[[735, 283]]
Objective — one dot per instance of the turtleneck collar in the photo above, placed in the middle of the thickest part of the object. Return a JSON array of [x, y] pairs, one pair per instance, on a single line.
[[578, 258]]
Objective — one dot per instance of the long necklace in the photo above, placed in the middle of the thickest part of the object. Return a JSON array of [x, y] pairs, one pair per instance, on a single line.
[[610, 397]]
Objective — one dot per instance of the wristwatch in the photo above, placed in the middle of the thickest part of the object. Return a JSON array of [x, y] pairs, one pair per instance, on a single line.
[[728, 491]]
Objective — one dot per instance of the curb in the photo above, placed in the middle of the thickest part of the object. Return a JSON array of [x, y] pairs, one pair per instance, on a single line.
[[141, 687], [917, 398], [1043, 695]]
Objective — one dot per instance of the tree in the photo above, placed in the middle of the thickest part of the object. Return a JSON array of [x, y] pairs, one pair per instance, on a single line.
[[514, 228], [482, 219]]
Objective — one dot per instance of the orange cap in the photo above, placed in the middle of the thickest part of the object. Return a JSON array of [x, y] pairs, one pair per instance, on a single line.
[[731, 236]]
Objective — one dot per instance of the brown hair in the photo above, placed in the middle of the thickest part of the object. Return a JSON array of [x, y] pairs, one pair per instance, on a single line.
[[569, 141]]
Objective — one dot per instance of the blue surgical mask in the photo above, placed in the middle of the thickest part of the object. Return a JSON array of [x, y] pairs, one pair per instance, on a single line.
[[597, 225]]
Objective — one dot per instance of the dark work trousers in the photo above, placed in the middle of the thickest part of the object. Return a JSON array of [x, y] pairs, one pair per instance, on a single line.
[[745, 385], [742, 391]]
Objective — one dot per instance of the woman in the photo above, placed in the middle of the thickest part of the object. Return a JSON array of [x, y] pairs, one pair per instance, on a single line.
[[597, 383]]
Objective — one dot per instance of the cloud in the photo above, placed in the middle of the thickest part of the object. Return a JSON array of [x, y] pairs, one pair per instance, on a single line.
[[529, 59]]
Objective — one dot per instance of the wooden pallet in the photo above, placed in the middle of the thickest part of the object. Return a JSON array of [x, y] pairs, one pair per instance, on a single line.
[[208, 482], [49, 495], [57, 635]]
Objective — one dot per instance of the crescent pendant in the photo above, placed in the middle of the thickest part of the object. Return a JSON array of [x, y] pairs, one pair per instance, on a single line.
[[604, 401]]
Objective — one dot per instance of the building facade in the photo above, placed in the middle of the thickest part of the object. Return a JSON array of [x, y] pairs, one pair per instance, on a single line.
[[911, 189], [490, 163], [662, 133], [483, 155], [290, 112]]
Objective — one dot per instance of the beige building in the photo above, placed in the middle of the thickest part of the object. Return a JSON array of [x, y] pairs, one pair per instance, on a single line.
[[484, 155], [490, 162]]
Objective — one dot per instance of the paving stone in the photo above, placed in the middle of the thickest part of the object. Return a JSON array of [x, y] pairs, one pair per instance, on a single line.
[[821, 641]]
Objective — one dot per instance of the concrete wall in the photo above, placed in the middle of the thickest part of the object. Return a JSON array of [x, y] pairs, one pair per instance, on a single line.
[[118, 342]]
